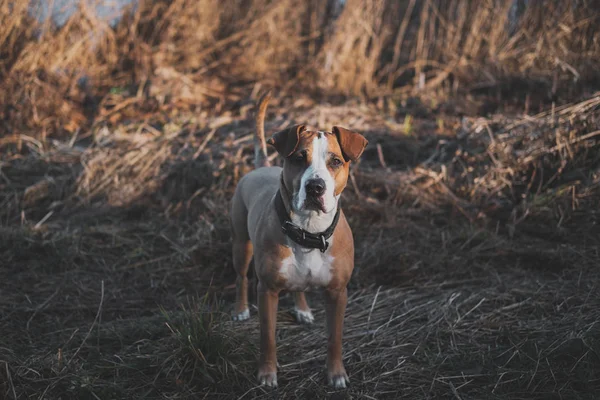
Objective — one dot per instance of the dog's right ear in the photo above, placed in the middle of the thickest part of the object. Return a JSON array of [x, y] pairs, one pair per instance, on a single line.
[[286, 141], [352, 144]]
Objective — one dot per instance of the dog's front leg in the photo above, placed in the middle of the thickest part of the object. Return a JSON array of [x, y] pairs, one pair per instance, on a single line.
[[267, 310], [335, 305]]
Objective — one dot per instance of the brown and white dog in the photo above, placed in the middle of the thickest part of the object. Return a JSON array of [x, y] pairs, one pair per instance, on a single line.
[[289, 220]]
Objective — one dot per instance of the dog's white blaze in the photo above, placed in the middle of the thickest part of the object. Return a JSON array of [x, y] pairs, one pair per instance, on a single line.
[[306, 268], [316, 221]]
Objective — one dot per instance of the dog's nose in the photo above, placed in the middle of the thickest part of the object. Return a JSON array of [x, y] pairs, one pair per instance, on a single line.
[[315, 187]]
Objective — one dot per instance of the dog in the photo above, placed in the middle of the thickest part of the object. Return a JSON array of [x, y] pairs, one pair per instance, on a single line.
[[290, 221]]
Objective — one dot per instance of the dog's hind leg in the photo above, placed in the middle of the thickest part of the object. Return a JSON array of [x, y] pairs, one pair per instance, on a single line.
[[302, 310], [242, 255]]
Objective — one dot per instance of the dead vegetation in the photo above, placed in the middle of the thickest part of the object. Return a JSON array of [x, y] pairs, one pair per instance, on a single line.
[[60, 79], [477, 233]]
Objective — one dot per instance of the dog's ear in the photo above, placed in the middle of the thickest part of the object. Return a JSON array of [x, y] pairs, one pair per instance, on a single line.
[[352, 144], [286, 141]]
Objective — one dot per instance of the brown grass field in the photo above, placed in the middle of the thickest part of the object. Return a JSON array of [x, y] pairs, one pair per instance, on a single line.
[[475, 207]]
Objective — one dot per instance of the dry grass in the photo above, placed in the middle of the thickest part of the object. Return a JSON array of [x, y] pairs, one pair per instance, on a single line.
[[189, 54], [477, 254], [476, 232]]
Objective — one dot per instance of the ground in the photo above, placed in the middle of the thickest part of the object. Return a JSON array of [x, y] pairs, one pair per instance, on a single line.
[[477, 254]]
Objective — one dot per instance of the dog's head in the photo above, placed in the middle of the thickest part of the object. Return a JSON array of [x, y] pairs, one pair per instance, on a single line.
[[316, 165]]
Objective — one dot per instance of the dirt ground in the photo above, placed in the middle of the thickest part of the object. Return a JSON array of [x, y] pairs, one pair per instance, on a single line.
[[477, 254]]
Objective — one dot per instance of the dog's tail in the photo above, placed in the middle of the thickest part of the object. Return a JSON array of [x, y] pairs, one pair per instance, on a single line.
[[260, 144]]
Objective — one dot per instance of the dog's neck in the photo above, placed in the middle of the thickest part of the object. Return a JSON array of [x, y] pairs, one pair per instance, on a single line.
[[310, 220]]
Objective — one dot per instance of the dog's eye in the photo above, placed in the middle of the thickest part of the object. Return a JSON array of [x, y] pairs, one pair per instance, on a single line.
[[335, 162], [299, 157]]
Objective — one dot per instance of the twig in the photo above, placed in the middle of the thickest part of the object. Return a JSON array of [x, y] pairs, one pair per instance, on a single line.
[[561, 146], [204, 144], [372, 306], [471, 310], [91, 327], [10, 381], [355, 185], [37, 226], [125, 103], [380, 155], [512, 306], [454, 391], [41, 306], [243, 139]]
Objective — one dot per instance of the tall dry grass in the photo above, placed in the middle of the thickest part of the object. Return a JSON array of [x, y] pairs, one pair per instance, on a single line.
[[484, 41], [58, 79]]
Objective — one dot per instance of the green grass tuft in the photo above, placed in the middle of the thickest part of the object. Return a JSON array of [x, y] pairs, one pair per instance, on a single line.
[[207, 350]]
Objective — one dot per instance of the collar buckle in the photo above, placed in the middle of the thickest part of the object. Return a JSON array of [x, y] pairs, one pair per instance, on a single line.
[[285, 226], [325, 244]]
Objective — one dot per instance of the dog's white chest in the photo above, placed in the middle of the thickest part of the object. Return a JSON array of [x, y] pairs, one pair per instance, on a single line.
[[306, 268]]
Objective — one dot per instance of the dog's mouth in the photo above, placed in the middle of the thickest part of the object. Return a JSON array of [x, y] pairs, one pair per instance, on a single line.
[[315, 203]]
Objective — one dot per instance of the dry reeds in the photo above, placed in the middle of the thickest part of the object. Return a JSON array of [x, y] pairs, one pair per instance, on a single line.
[[184, 52]]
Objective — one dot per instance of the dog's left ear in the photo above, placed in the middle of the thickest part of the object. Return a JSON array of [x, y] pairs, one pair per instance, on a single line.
[[352, 144], [286, 141]]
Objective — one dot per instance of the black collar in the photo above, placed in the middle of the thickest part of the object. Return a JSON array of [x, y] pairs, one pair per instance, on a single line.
[[299, 235]]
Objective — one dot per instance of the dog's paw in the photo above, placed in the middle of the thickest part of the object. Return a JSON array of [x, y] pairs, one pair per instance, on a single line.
[[304, 317], [242, 316], [338, 380], [268, 379]]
